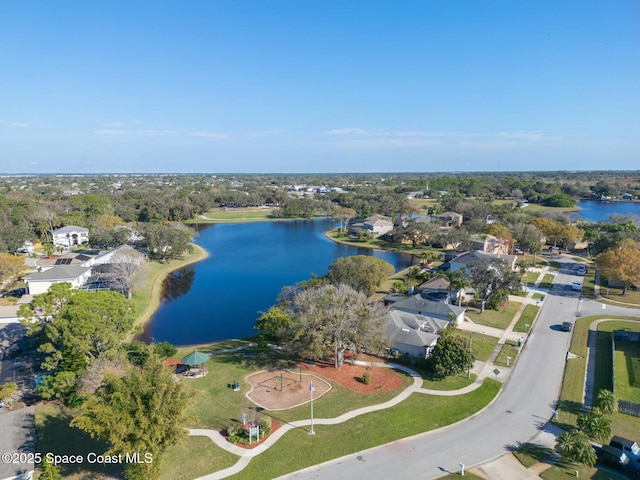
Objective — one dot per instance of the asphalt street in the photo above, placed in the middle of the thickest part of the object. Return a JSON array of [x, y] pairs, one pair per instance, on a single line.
[[523, 408]]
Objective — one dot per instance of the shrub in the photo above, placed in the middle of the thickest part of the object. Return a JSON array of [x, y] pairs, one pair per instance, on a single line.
[[366, 378]]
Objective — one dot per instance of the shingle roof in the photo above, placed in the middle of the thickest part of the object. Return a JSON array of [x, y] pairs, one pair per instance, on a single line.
[[62, 272], [70, 229], [418, 304], [399, 331]]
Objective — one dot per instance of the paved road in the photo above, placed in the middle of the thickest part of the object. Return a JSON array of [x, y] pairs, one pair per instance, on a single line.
[[521, 411]]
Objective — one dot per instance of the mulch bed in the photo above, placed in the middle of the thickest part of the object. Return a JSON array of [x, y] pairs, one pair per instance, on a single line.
[[274, 426]]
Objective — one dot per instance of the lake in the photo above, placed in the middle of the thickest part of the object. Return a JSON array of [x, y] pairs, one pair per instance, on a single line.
[[598, 211], [220, 297]]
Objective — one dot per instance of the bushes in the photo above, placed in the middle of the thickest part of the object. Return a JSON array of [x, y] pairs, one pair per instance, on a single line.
[[366, 378], [239, 434]]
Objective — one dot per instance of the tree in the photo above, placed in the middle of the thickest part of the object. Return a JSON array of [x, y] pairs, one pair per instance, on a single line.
[[595, 424], [139, 412], [49, 471], [273, 324], [361, 272], [451, 355], [10, 266], [575, 445], [457, 281], [336, 317], [622, 263], [44, 308], [89, 324], [488, 277], [125, 268], [166, 241], [343, 215], [606, 401]]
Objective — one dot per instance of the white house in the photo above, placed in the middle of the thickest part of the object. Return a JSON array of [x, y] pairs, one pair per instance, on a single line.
[[40, 282], [411, 334], [377, 225], [70, 236]]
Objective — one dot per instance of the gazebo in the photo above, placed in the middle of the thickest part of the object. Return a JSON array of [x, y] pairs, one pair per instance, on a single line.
[[195, 362]]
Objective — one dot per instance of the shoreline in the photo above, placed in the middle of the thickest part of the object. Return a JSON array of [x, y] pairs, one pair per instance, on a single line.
[[152, 294]]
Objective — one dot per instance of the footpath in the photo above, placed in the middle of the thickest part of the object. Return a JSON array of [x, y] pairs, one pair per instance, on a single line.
[[504, 467]]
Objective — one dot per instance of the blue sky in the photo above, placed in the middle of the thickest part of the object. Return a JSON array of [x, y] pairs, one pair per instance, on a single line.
[[318, 85]]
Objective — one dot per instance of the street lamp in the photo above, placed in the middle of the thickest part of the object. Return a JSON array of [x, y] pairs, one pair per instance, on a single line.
[[311, 390]]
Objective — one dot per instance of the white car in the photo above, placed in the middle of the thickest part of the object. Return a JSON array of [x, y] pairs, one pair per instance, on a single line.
[[577, 286], [582, 271]]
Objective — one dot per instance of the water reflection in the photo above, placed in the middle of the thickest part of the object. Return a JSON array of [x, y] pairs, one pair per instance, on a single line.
[[178, 284]]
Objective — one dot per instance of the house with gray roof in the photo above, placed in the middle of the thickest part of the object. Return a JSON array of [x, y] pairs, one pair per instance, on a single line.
[[40, 282], [420, 305], [411, 334], [464, 260]]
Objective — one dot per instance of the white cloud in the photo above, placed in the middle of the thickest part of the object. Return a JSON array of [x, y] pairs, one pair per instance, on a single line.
[[112, 132], [20, 124], [267, 133], [114, 124], [215, 135], [157, 133], [346, 131]]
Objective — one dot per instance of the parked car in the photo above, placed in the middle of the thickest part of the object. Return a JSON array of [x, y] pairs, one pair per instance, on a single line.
[[613, 456], [577, 286], [629, 447], [566, 326], [582, 271]]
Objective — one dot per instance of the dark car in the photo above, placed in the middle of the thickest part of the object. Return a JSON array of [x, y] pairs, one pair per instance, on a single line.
[[566, 326], [613, 456], [629, 447]]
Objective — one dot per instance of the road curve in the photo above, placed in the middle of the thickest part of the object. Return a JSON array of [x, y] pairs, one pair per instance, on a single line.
[[521, 411]]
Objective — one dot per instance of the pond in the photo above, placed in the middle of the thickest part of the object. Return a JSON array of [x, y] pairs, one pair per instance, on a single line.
[[598, 211], [220, 297]]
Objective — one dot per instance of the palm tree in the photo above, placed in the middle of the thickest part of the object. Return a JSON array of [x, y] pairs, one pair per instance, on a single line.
[[535, 248], [595, 424], [606, 401], [575, 446], [456, 281]]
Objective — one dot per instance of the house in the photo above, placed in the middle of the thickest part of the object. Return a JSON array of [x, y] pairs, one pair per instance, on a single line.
[[462, 261], [419, 304], [438, 289], [412, 334], [40, 282], [73, 259], [414, 323], [377, 225], [489, 244], [448, 219], [70, 236], [625, 196]]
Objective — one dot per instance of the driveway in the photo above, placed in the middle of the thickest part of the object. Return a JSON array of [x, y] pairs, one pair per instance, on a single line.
[[17, 438]]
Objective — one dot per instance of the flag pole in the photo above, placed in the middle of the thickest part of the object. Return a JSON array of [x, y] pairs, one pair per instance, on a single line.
[[311, 390]]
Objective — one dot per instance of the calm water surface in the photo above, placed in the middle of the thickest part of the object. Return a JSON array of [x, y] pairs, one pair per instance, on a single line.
[[220, 297], [597, 211]]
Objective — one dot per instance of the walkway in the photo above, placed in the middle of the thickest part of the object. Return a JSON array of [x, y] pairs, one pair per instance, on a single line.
[[481, 369]]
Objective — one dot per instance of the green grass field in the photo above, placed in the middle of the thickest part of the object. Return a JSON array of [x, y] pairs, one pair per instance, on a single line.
[[547, 281], [419, 413], [509, 349], [235, 215], [494, 318], [627, 370], [527, 318], [482, 345]]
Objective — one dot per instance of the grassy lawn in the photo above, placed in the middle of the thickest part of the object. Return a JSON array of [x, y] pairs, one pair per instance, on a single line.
[[627, 370], [527, 318], [564, 470], [53, 434], [146, 298], [494, 318], [453, 382], [538, 296], [366, 431], [204, 457], [235, 215], [481, 345], [226, 368], [547, 281], [467, 476], [509, 349], [570, 404], [529, 454], [615, 295], [376, 243]]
